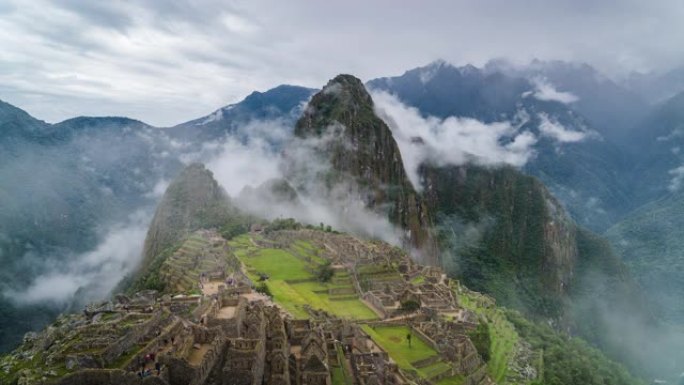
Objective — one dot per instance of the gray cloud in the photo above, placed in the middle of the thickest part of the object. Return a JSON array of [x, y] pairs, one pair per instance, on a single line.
[[168, 62], [453, 140], [95, 272], [548, 92]]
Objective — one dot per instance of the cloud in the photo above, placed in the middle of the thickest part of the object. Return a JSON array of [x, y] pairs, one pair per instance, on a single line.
[[165, 63], [238, 164], [553, 129], [158, 189], [94, 273], [677, 179], [453, 140], [304, 164], [546, 91]]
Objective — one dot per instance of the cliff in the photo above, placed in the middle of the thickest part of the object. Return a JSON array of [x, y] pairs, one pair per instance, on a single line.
[[504, 234], [364, 158]]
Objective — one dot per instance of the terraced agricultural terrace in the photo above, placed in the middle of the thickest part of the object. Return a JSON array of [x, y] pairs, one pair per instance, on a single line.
[[292, 278]]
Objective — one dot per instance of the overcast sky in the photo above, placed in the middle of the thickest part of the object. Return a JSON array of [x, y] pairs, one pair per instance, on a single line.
[[165, 62]]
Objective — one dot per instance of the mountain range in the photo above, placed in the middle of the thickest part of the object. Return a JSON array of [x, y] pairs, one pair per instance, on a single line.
[[568, 155]]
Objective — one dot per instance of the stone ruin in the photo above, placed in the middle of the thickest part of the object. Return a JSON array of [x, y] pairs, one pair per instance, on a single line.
[[232, 337]]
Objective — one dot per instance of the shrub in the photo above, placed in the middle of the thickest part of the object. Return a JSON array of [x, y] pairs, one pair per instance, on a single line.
[[263, 289], [482, 340], [410, 305], [325, 272]]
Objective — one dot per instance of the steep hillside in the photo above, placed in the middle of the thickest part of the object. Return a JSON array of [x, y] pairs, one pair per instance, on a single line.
[[650, 241], [504, 234], [500, 231], [364, 158], [64, 188], [192, 201], [657, 144]]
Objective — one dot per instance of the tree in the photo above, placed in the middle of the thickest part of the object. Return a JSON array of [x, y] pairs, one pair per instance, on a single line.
[[482, 340], [410, 305], [263, 289], [325, 272]]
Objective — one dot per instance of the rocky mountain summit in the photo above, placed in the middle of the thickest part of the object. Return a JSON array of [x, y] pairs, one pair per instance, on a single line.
[[364, 158]]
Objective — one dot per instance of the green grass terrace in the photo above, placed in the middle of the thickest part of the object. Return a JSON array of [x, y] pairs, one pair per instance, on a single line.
[[393, 340], [293, 283]]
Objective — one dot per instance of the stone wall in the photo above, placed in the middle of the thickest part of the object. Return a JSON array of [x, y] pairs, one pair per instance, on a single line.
[[140, 333], [107, 377], [178, 370], [213, 356]]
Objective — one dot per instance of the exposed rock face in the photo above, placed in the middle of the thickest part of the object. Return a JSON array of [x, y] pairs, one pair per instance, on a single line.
[[364, 157], [194, 200], [513, 238]]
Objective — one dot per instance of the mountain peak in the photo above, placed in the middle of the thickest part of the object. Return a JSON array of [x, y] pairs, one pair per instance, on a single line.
[[194, 200], [364, 157], [348, 88], [343, 100]]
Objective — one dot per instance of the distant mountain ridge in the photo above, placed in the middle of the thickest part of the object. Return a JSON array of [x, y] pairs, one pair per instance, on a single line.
[[283, 103], [587, 174]]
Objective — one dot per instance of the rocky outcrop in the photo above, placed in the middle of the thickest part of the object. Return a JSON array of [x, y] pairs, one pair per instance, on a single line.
[[364, 158]]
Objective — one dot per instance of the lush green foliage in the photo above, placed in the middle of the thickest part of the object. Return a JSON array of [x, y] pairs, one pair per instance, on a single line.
[[393, 340], [263, 289], [233, 229], [570, 360], [294, 279], [325, 272], [482, 340], [410, 305], [491, 230], [283, 224], [502, 334], [150, 279]]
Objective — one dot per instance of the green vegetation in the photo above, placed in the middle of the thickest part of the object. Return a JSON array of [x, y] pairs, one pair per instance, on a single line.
[[501, 333], [482, 340], [294, 298], [278, 264], [410, 305], [150, 280], [493, 222], [325, 272], [263, 289], [454, 380], [234, 228], [294, 279], [283, 224], [393, 340], [570, 360], [650, 241]]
